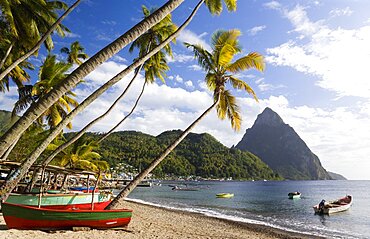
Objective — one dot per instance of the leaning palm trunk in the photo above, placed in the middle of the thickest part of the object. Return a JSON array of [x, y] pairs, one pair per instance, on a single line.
[[5, 156], [124, 118], [131, 186], [5, 57], [82, 131], [18, 174], [88, 66], [38, 44]]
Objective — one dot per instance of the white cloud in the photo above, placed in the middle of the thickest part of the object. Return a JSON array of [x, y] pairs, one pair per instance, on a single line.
[[182, 58], [119, 59], [192, 38], [189, 84], [341, 12], [298, 17], [256, 29], [179, 79], [195, 68], [337, 57], [8, 98], [272, 5], [72, 35]]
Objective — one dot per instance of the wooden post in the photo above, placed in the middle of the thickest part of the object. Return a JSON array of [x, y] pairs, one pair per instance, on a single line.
[[93, 192], [88, 185], [64, 181], [41, 187]]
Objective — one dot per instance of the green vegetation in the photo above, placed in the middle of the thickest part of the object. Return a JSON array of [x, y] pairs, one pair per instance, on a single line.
[[198, 154]]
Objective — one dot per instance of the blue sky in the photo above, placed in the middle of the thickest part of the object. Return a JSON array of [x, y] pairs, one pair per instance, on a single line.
[[316, 78]]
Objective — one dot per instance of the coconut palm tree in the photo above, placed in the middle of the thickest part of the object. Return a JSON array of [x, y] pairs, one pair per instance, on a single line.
[[214, 6], [51, 73], [23, 55], [28, 20], [25, 22], [221, 72], [78, 74], [79, 156], [28, 117], [154, 67], [75, 53], [18, 75]]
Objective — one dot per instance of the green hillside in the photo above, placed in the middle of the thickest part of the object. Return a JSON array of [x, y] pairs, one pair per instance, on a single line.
[[199, 154], [6, 121]]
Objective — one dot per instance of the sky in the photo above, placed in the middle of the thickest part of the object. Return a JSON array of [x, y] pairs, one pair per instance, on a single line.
[[316, 77]]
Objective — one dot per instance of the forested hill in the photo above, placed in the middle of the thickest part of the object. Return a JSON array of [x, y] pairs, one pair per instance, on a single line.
[[6, 120], [198, 154]]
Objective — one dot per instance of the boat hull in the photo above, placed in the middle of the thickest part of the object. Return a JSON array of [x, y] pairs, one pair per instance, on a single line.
[[333, 207], [57, 199], [225, 195], [30, 218]]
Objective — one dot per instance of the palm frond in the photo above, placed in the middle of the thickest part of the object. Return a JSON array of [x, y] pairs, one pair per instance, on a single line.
[[242, 85], [202, 55], [252, 60]]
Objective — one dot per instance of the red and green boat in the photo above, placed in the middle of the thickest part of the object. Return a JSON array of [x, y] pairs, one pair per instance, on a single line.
[[30, 218], [62, 200]]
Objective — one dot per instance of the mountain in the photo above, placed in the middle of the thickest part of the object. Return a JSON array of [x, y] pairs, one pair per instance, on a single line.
[[6, 120], [336, 176], [280, 147], [198, 154]]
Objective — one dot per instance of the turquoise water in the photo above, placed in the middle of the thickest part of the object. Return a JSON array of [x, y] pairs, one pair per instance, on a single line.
[[267, 203]]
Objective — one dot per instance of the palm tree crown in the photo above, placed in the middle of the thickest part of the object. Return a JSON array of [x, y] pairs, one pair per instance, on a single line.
[[51, 74], [28, 20], [221, 69], [75, 53], [156, 66]]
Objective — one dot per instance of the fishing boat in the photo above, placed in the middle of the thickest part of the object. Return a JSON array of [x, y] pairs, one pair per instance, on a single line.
[[27, 218], [294, 195], [339, 205], [64, 200], [225, 195], [177, 188]]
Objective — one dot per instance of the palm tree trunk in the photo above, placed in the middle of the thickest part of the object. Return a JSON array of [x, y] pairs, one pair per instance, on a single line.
[[82, 131], [24, 167], [38, 44], [124, 118], [6, 56], [88, 66], [131, 186], [6, 154]]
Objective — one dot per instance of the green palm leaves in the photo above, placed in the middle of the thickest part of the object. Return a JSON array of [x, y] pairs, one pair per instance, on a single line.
[[156, 66], [51, 74], [75, 53], [215, 6], [82, 155], [221, 69], [28, 20]]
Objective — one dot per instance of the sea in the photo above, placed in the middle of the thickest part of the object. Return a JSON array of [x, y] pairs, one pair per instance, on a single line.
[[266, 203]]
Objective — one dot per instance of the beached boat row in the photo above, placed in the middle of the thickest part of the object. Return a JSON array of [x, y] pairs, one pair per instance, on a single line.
[[47, 209]]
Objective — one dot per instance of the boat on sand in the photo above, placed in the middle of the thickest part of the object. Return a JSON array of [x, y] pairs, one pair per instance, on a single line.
[[339, 205], [27, 218]]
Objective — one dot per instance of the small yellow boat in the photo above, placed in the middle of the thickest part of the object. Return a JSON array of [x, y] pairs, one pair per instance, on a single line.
[[225, 195]]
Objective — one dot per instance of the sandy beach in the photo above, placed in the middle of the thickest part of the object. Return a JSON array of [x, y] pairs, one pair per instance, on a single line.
[[153, 222]]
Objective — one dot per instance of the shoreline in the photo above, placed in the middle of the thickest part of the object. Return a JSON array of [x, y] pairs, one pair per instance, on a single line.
[[149, 221]]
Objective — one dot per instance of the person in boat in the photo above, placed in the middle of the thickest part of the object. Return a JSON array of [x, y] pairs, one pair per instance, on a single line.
[[322, 206]]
